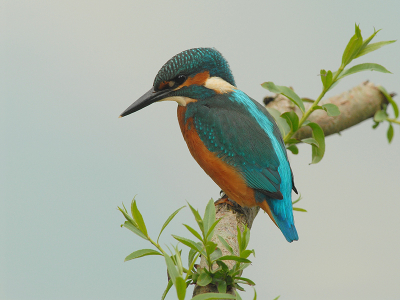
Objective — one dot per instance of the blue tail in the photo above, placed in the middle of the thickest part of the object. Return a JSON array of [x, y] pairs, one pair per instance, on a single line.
[[281, 212], [288, 230]]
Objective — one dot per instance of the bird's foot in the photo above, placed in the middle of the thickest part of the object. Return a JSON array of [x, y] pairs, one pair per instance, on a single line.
[[224, 199]]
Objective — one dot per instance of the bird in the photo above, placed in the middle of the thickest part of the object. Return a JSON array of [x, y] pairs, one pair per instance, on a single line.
[[230, 135]]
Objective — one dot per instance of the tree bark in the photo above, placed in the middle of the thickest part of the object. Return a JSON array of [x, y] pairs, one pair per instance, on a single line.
[[356, 105], [234, 216]]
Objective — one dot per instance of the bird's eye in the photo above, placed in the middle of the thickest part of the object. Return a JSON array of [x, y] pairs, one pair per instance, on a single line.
[[180, 79]]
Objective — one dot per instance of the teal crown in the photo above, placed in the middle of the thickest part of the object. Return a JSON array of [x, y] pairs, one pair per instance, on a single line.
[[194, 61]]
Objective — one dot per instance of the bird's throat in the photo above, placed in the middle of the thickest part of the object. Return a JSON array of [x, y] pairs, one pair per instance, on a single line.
[[182, 101]]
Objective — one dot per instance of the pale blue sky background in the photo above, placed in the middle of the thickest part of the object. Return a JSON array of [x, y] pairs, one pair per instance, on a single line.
[[69, 68]]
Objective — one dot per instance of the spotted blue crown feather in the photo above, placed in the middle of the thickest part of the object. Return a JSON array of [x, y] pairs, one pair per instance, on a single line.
[[195, 61]]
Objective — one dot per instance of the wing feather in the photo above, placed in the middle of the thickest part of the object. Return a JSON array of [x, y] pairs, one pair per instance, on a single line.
[[237, 138]]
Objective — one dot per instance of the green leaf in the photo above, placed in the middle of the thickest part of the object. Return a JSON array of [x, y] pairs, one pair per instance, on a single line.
[[239, 287], [197, 217], [238, 268], [352, 47], [318, 135], [293, 141], [366, 42], [255, 295], [169, 220], [380, 116], [138, 218], [329, 77], [178, 260], [238, 296], [172, 271], [127, 217], [235, 258], [135, 230], [194, 232], [391, 101], [326, 78], [322, 74], [358, 31], [180, 286], [209, 216], [292, 119], [310, 141], [216, 254], [245, 239], [277, 298], [390, 133], [297, 200], [373, 47], [124, 208], [246, 280], [284, 90], [299, 209], [210, 247], [141, 253], [283, 126], [221, 286], [246, 253], [195, 212], [204, 279], [317, 107], [331, 109], [191, 244], [223, 266], [210, 232], [195, 276], [169, 285], [225, 244], [191, 256], [239, 237], [213, 296], [364, 67], [293, 149]]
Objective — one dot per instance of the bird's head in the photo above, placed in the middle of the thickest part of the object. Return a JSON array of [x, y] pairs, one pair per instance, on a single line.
[[189, 76]]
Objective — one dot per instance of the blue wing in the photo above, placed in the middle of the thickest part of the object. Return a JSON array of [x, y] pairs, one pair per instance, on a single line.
[[238, 138], [243, 134]]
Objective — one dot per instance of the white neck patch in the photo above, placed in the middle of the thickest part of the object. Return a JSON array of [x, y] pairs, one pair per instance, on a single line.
[[182, 101], [219, 85]]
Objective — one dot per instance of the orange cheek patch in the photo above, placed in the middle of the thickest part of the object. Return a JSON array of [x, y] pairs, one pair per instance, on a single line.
[[198, 79], [163, 85]]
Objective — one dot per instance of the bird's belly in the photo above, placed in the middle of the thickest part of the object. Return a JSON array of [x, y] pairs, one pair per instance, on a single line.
[[224, 175]]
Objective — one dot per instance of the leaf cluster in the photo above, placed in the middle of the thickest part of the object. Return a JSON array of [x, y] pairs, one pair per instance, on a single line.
[[289, 122], [216, 271], [382, 115]]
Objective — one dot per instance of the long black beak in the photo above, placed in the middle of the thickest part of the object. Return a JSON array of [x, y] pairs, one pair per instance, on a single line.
[[147, 99]]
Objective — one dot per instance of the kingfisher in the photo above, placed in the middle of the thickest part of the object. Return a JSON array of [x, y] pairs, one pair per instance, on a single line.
[[231, 136]]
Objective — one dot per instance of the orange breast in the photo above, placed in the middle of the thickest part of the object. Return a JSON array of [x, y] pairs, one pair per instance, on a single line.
[[224, 175]]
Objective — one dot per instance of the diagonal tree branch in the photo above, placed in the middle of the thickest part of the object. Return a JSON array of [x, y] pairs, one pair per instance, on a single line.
[[356, 105]]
